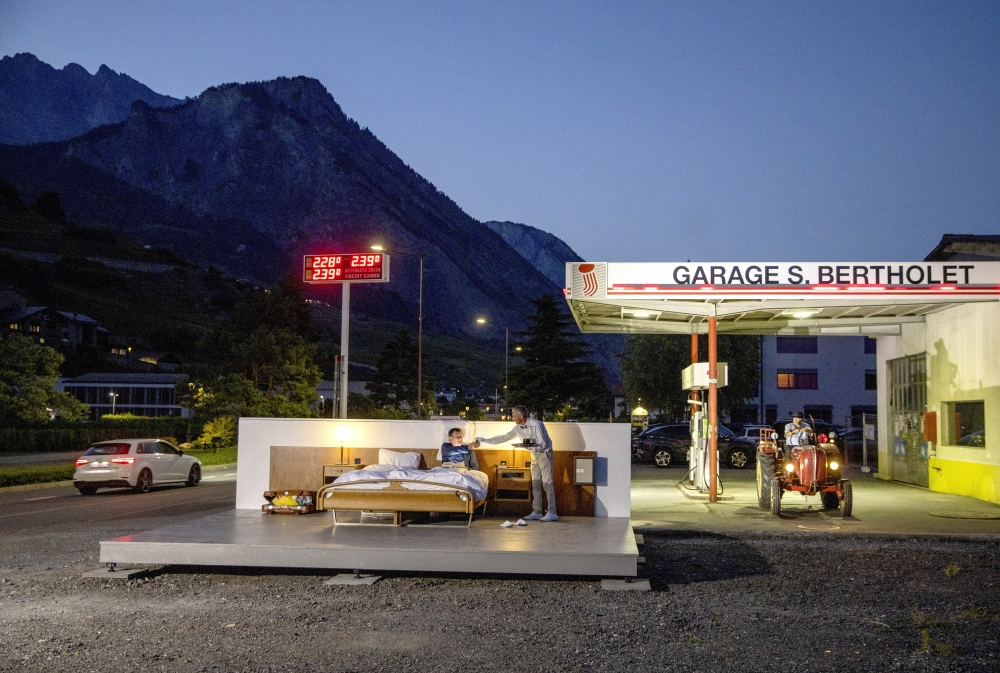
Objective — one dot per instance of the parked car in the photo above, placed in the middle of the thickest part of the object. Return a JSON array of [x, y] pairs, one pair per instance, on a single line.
[[134, 463], [853, 442], [666, 445]]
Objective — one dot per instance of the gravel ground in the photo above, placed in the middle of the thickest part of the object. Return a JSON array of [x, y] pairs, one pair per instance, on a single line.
[[733, 603]]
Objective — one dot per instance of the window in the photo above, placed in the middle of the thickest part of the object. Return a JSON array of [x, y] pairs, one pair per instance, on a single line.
[[798, 379], [871, 379], [965, 424], [15, 326], [35, 328], [870, 346], [793, 344], [908, 384]]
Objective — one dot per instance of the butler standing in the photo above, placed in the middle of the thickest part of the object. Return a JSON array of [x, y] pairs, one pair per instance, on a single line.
[[532, 433]]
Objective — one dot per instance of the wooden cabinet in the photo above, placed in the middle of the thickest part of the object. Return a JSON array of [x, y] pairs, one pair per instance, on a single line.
[[331, 472], [513, 484]]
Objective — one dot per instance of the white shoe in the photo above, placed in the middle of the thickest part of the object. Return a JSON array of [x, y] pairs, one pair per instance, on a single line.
[[550, 516], [507, 524], [534, 516]]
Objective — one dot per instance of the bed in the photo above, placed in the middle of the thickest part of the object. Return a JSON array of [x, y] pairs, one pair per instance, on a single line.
[[397, 485]]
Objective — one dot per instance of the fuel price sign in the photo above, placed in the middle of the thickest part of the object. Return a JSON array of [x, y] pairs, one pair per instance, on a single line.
[[346, 268]]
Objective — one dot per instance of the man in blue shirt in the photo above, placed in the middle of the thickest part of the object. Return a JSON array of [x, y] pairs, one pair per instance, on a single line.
[[532, 432], [454, 451]]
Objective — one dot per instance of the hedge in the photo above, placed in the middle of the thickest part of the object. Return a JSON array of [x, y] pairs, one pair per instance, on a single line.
[[78, 436]]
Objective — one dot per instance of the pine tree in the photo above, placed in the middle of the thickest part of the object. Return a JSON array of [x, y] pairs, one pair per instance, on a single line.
[[555, 372]]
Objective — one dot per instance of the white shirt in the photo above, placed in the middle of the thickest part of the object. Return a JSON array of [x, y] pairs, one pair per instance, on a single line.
[[798, 434], [532, 429]]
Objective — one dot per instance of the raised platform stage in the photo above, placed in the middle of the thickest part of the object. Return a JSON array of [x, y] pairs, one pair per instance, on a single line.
[[571, 546]]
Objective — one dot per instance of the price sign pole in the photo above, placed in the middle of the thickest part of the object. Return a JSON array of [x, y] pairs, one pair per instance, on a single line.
[[345, 325], [343, 269]]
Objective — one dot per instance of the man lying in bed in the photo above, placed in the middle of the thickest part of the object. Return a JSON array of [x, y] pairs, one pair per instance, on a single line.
[[455, 452]]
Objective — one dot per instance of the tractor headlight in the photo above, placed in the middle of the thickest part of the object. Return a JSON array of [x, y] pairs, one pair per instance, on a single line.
[[789, 467], [834, 465]]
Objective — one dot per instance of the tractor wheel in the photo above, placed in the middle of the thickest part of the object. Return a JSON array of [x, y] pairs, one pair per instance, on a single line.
[[776, 496], [765, 471], [829, 499], [848, 499]]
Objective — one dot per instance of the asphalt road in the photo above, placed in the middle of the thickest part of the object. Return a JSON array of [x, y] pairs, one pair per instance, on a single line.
[[740, 601], [54, 508]]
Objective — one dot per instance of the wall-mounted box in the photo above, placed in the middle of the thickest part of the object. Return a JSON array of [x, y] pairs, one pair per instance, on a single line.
[[583, 468]]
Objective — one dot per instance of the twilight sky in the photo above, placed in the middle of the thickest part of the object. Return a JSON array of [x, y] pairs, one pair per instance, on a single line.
[[635, 131]]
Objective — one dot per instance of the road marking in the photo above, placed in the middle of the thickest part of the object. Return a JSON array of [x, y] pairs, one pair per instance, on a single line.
[[48, 497], [92, 500]]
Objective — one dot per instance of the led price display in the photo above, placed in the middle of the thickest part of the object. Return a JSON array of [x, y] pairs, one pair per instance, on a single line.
[[346, 267]]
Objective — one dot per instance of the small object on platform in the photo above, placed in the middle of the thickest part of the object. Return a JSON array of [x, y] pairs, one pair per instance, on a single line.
[[625, 585], [638, 538], [522, 522], [508, 524], [550, 516], [352, 579], [289, 502]]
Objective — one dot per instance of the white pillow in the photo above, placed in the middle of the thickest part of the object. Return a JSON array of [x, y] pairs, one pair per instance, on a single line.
[[397, 459]]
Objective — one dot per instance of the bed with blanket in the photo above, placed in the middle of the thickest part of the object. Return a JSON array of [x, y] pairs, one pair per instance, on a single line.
[[397, 484]]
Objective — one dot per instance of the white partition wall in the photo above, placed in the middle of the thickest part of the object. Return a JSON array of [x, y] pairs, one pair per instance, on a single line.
[[611, 442]]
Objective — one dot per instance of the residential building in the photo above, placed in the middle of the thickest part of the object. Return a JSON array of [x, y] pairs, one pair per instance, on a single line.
[[139, 394], [831, 378]]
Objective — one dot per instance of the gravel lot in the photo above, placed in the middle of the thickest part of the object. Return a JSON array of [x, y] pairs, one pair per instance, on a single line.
[[736, 603]]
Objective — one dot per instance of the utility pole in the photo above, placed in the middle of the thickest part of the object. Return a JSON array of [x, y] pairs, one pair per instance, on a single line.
[[345, 326]]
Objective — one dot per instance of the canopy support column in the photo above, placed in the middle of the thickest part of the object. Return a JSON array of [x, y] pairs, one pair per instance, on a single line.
[[713, 411]]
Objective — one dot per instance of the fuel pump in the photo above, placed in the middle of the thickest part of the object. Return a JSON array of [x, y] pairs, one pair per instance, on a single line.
[[698, 452], [695, 378]]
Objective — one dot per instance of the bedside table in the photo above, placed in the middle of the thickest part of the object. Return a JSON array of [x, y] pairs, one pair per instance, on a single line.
[[513, 484], [331, 472]]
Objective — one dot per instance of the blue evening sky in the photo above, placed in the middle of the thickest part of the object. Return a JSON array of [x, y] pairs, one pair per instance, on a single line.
[[635, 131]]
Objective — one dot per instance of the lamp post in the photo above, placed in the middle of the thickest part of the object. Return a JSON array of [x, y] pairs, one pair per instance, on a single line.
[[114, 397], [420, 334], [506, 361]]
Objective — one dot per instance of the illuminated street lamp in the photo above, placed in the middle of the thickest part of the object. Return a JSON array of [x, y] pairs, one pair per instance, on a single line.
[[506, 358], [113, 396], [420, 333]]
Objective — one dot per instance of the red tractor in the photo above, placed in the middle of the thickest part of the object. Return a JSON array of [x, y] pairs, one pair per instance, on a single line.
[[805, 469]]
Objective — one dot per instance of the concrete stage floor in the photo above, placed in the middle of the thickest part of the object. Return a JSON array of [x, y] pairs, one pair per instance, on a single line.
[[880, 508], [571, 546]]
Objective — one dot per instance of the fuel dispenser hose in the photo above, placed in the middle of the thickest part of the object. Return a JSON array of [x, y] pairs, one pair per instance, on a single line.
[[686, 479]]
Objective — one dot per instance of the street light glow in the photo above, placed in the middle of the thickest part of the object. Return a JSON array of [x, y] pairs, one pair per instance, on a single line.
[[481, 321], [378, 247]]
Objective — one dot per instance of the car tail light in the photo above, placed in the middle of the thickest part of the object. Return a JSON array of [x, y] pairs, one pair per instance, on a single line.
[[124, 460], [81, 461], [822, 438]]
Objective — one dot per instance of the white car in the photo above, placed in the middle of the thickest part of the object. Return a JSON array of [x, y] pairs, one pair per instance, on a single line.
[[137, 463]]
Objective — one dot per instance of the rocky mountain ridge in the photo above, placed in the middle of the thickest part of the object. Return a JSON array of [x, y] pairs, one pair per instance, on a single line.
[[39, 103]]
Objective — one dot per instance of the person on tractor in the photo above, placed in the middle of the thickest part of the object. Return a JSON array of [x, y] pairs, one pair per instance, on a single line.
[[798, 433]]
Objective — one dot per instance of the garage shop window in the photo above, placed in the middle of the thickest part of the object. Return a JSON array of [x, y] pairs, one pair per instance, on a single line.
[[965, 424], [871, 379], [794, 344], [798, 379]]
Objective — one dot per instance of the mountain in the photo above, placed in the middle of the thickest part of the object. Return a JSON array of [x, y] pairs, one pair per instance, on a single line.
[[41, 104], [548, 253], [282, 160], [251, 176]]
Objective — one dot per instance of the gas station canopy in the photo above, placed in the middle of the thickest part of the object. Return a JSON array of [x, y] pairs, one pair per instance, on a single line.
[[804, 298]]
